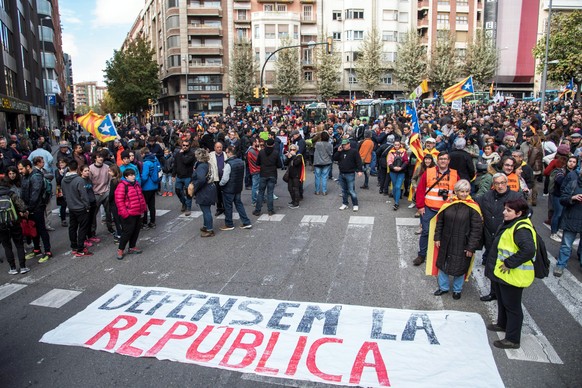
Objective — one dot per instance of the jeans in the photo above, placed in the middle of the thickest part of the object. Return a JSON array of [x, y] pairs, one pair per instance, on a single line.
[[425, 223], [366, 169], [397, 178], [102, 199], [14, 234], [443, 280], [256, 180], [347, 183], [42, 233], [229, 199], [568, 238], [180, 186], [373, 169], [558, 208], [248, 178], [207, 216], [269, 184], [167, 183], [321, 174]]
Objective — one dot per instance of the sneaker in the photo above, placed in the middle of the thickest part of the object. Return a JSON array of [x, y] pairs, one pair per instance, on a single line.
[[32, 254], [256, 213], [13, 271], [208, 233], [226, 228], [152, 225], [418, 261], [270, 213], [558, 272], [418, 231], [145, 227], [188, 212], [560, 234], [293, 206], [134, 251], [545, 194], [88, 244], [395, 207], [83, 253], [275, 197], [24, 270], [116, 239], [165, 194], [64, 223], [343, 207], [248, 226], [120, 254], [412, 205], [46, 257], [364, 187], [555, 237], [170, 194], [356, 208], [95, 239], [203, 229]]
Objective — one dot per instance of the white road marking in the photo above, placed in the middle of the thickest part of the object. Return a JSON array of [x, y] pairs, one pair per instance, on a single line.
[[191, 216], [314, 219], [55, 298], [407, 221], [357, 220], [160, 212], [534, 344], [235, 216], [274, 217], [567, 289], [10, 288]]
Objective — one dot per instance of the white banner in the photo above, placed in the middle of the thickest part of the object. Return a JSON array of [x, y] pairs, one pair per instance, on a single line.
[[457, 105], [336, 344]]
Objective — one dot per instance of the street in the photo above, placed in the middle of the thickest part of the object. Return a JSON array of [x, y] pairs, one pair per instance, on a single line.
[[316, 253]]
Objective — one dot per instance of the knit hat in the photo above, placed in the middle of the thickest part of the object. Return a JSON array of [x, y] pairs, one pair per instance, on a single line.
[[563, 150]]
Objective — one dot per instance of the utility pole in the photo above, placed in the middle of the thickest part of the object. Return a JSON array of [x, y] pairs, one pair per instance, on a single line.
[[43, 64]]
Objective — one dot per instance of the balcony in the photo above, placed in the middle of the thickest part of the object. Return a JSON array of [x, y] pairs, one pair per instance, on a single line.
[[242, 20], [271, 16], [422, 23], [44, 8], [46, 34], [206, 50], [308, 19], [278, 1], [205, 68], [423, 5], [203, 11], [239, 4], [461, 27], [201, 29], [49, 60]]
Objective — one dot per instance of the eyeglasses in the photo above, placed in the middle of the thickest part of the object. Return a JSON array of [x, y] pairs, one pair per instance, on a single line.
[[499, 183]]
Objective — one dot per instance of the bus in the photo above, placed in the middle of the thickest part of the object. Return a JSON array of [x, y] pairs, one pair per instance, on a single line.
[[389, 107], [367, 109], [316, 112]]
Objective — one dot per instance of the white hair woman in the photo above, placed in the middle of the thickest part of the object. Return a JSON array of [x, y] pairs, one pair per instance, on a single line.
[[204, 190]]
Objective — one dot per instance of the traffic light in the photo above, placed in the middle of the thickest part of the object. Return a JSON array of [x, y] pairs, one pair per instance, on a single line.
[[329, 45], [265, 92], [256, 92]]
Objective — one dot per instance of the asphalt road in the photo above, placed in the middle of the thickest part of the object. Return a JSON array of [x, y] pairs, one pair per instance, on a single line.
[[334, 259]]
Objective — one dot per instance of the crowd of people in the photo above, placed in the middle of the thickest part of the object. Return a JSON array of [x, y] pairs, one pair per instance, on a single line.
[[480, 173]]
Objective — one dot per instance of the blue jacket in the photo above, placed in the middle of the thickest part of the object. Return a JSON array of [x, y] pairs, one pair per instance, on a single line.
[[149, 173], [205, 192], [132, 166]]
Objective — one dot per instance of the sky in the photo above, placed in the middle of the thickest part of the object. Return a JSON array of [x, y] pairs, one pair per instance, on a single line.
[[92, 29]]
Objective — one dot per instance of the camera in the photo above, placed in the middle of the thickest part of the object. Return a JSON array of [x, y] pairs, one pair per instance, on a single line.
[[444, 194]]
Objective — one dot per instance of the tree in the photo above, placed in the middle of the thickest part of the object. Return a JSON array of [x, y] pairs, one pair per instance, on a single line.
[[369, 65], [107, 105], [410, 67], [443, 69], [565, 47], [481, 59], [288, 80], [242, 72], [131, 76], [327, 74]]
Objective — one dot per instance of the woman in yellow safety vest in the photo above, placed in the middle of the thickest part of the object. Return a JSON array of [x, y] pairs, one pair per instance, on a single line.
[[510, 268]]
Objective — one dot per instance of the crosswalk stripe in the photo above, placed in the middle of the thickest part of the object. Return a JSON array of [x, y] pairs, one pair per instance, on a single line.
[[407, 221], [357, 220], [567, 289], [195, 214], [314, 219], [274, 217], [161, 212], [235, 216], [10, 288], [55, 298]]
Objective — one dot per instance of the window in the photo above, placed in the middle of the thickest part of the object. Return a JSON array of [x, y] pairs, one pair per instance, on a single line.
[[257, 56], [389, 14], [444, 2], [403, 17], [241, 33], [173, 41], [205, 82], [337, 36], [352, 79], [354, 13], [308, 56], [308, 76], [269, 51], [173, 21], [270, 31], [386, 79], [461, 53], [336, 15], [462, 20], [196, 22], [281, 8], [295, 32], [173, 3], [241, 14], [173, 61], [463, 2], [6, 37], [257, 32], [268, 8], [213, 61], [443, 34], [443, 18], [389, 56], [401, 36], [389, 36], [211, 4], [283, 30], [10, 77], [358, 35], [307, 12]]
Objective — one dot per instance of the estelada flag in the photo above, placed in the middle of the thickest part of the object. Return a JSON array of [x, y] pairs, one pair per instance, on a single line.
[[459, 90], [432, 252], [491, 90], [102, 127]]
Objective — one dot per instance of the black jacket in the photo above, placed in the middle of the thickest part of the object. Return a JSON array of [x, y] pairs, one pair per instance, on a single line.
[[183, 164], [268, 160], [32, 188], [349, 161], [491, 204], [462, 161], [572, 213]]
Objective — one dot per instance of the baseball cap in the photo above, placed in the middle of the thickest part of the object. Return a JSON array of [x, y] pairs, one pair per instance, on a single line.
[[345, 141], [431, 139]]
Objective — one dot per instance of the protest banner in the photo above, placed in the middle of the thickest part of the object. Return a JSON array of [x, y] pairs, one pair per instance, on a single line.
[[330, 343]]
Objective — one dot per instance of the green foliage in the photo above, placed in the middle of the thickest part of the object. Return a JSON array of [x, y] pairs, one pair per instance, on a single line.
[[328, 72], [84, 109], [565, 47], [242, 71], [131, 76], [288, 80], [369, 65], [107, 105], [410, 67], [481, 59], [443, 68]]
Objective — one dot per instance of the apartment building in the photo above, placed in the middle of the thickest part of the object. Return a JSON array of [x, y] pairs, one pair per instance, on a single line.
[[88, 93]]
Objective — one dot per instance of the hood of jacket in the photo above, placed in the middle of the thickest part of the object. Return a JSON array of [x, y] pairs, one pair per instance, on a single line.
[[70, 176]]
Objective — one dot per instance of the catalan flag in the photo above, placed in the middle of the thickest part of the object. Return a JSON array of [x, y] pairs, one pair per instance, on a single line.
[[459, 90], [101, 127], [568, 89], [491, 89], [420, 90], [415, 144]]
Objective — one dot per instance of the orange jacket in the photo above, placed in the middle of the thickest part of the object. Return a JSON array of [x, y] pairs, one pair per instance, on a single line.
[[366, 149]]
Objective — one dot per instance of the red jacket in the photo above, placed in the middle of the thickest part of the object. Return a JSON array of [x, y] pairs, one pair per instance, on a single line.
[[129, 199]]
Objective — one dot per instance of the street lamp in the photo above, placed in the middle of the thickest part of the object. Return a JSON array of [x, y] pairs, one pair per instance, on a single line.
[[545, 71], [47, 96]]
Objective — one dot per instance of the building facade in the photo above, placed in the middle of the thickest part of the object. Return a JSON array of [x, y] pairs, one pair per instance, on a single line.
[[88, 93]]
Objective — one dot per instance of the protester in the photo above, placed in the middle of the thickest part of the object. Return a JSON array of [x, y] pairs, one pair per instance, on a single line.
[[571, 200], [78, 200], [232, 186], [397, 163], [182, 174], [295, 174], [130, 205], [150, 179], [349, 163], [268, 162], [204, 190], [11, 232], [322, 161]]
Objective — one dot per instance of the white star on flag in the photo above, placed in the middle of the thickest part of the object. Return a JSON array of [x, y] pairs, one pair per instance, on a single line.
[[105, 128]]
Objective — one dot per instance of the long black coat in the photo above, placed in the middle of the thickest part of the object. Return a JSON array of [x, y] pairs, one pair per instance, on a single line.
[[572, 213], [459, 229]]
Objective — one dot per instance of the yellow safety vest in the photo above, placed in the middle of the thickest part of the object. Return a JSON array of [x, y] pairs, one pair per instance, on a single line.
[[522, 276]]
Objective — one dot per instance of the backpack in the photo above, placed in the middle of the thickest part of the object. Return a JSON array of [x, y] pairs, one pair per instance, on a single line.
[[47, 192], [541, 261], [155, 173], [8, 216]]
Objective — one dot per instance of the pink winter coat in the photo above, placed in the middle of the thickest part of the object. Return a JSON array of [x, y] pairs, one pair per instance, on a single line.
[[129, 199]]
